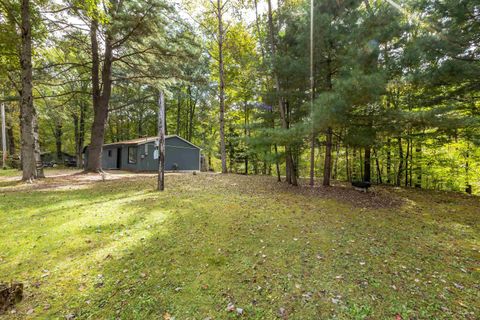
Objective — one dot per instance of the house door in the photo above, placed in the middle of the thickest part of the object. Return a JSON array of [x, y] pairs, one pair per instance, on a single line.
[[119, 158]]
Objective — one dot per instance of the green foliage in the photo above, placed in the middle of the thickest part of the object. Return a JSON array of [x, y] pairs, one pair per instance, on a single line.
[[390, 79]]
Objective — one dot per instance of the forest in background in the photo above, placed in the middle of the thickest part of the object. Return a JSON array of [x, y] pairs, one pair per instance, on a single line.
[[395, 84]]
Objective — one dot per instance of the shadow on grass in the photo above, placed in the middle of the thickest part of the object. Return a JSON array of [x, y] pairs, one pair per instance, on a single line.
[[118, 249], [220, 248]]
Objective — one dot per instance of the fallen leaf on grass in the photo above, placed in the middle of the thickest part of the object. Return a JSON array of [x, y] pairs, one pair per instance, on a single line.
[[458, 286], [230, 307]]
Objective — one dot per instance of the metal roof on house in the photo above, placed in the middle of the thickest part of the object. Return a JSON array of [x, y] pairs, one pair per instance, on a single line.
[[140, 141]]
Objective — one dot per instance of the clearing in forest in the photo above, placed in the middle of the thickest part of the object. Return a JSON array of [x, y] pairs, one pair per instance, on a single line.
[[226, 246]]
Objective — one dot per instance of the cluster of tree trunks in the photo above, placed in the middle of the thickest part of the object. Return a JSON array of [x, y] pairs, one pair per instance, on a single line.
[[185, 122], [291, 173]]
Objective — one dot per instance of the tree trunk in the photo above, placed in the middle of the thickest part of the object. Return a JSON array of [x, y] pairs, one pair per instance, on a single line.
[[4, 136], [81, 135], [335, 166], [140, 131], [37, 152], [295, 167], [9, 129], [379, 170], [407, 162], [257, 24], [177, 129], [277, 165], [161, 142], [418, 150], [411, 163], [221, 35], [367, 165], [231, 150], [312, 96], [187, 115], [246, 134], [193, 104], [400, 164], [79, 128], [347, 165], [389, 161], [58, 133], [354, 164], [165, 112], [291, 178], [76, 133], [327, 168], [275, 149], [361, 164], [312, 159], [259, 34], [100, 98], [10, 138], [27, 111]]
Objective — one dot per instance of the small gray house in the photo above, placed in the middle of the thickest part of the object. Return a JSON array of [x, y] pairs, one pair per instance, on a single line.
[[142, 155]]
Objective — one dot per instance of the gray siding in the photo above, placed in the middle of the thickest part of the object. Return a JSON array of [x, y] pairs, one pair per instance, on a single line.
[[178, 153], [184, 158], [109, 157]]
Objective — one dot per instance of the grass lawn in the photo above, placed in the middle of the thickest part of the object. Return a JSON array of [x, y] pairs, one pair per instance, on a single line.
[[118, 249]]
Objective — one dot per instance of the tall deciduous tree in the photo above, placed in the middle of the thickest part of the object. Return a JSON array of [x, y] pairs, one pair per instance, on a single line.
[[27, 110], [220, 8], [131, 35]]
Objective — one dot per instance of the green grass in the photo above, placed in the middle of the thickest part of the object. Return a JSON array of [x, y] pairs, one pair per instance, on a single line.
[[9, 172], [118, 249]]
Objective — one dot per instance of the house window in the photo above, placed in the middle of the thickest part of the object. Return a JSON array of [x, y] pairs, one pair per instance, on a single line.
[[132, 155], [109, 153]]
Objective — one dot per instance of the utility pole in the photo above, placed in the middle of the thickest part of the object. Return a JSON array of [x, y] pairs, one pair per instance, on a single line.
[[161, 142], [312, 96], [4, 138]]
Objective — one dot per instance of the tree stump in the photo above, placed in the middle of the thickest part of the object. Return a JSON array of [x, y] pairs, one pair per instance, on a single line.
[[10, 295]]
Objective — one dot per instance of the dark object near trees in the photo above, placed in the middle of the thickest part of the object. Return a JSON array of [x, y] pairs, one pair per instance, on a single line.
[[71, 163], [49, 164], [468, 189], [361, 185], [10, 295]]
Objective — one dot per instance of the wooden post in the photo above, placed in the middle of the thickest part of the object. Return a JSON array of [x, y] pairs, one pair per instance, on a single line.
[[4, 138], [312, 96], [161, 142]]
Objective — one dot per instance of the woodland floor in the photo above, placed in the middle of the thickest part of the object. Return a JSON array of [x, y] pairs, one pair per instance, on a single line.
[[117, 249]]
